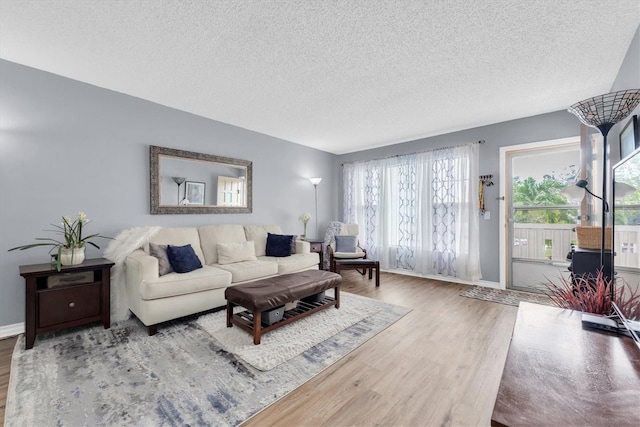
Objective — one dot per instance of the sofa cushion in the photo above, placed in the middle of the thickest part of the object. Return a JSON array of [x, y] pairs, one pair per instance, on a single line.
[[173, 284], [279, 245], [250, 270], [345, 243], [178, 236], [183, 259], [228, 253], [295, 262], [258, 233], [211, 235], [160, 252]]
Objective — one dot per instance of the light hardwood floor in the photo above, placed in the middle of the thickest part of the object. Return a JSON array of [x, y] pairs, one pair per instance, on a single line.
[[6, 349], [439, 365]]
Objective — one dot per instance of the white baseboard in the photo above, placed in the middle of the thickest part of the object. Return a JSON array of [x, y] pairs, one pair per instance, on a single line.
[[11, 330], [488, 284], [484, 283]]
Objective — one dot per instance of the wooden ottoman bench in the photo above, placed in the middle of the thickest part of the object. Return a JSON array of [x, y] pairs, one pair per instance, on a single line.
[[357, 264], [266, 294]]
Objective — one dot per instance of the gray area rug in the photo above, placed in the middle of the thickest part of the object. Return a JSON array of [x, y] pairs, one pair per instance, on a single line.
[[505, 296], [181, 376]]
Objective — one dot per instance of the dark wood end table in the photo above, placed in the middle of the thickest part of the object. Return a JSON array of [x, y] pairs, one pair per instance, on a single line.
[[73, 296], [317, 246]]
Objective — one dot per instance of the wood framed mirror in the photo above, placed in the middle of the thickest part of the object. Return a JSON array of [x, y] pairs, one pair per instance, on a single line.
[[186, 182]]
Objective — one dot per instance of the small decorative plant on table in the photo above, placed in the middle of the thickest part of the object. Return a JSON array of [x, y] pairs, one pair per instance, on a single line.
[[305, 217], [70, 249], [592, 294]]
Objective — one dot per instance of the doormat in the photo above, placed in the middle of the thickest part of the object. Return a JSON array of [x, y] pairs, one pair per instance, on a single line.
[[505, 296]]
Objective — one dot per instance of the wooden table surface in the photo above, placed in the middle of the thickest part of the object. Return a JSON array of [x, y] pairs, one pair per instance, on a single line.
[[558, 373]]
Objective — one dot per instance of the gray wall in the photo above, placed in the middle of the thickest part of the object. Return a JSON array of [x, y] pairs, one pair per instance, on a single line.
[[67, 146], [628, 78]]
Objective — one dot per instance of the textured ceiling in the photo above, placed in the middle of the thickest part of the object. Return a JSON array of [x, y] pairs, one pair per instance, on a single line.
[[339, 75]]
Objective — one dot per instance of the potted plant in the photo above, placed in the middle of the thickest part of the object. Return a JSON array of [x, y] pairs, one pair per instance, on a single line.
[[70, 248], [592, 294]]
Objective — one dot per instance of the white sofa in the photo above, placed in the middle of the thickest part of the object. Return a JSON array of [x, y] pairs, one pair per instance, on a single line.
[[155, 299]]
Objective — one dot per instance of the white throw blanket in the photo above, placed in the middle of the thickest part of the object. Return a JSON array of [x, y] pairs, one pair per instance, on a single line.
[[119, 248]]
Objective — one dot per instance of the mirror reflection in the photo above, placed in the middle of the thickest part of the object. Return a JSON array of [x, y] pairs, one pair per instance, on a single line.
[[189, 182]]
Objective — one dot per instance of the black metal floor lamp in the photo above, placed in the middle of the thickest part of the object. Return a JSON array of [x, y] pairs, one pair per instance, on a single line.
[[603, 112]]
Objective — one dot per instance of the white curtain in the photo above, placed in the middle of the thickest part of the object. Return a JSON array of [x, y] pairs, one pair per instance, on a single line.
[[418, 212]]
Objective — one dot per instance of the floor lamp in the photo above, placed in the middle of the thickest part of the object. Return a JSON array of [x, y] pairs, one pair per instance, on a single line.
[[603, 112], [178, 180], [315, 182]]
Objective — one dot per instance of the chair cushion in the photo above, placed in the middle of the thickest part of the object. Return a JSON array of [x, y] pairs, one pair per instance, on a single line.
[[228, 253], [345, 243], [350, 255], [183, 259], [160, 252], [279, 245]]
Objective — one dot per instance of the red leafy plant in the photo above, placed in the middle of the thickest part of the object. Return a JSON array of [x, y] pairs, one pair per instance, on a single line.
[[592, 294]]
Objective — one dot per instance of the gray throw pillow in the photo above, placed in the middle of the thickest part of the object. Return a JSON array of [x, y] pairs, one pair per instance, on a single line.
[[346, 243], [160, 252]]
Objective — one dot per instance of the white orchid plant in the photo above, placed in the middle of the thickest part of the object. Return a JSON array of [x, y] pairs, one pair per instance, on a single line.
[[305, 217], [71, 231]]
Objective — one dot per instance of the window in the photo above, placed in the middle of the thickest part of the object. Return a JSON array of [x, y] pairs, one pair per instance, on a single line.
[[418, 212]]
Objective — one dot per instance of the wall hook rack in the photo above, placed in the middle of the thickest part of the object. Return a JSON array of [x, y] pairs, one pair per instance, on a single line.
[[486, 180]]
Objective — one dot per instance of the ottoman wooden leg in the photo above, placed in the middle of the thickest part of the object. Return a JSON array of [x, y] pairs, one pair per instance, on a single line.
[[377, 274], [257, 327], [337, 296], [229, 314]]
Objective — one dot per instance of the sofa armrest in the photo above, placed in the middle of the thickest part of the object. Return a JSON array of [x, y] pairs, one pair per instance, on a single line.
[[140, 266], [303, 247]]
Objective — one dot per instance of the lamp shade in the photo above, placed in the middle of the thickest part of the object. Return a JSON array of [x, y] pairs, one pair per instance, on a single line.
[[603, 111], [573, 193], [622, 190], [178, 179], [576, 191], [315, 181]]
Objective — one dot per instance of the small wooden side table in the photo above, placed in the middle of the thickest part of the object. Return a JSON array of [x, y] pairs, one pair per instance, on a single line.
[[73, 296], [317, 246]]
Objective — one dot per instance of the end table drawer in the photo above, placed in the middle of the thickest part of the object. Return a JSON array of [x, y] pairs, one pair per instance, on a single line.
[[65, 305], [315, 246]]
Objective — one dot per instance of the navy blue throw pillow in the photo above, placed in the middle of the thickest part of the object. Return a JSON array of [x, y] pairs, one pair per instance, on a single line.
[[183, 259], [279, 245]]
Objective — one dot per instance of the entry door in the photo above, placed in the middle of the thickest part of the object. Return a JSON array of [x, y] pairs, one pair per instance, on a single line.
[[539, 220]]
